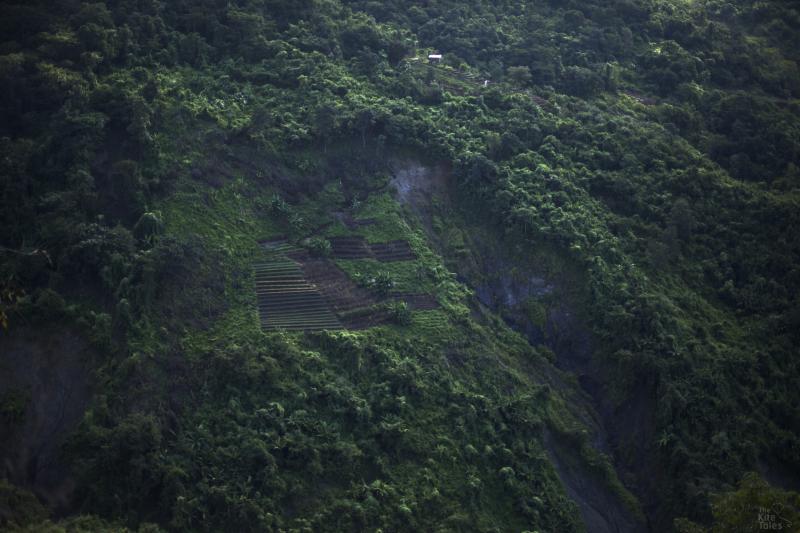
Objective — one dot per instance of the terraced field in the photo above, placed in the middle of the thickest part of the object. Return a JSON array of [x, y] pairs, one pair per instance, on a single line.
[[430, 321], [353, 223], [418, 302], [276, 247], [341, 293], [287, 301], [392, 251], [350, 248], [358, 248], [297, 291]]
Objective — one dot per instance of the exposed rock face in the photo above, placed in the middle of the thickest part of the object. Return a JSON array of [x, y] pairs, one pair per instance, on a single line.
[[419, 186]]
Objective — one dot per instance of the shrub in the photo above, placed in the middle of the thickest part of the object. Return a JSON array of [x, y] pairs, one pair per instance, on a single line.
[[400, 313], [318, 246]]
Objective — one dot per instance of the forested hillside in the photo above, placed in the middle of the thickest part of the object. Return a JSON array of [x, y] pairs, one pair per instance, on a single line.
[[265, 266]]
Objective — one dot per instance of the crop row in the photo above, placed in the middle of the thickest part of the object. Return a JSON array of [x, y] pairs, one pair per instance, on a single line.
[[286, 300]]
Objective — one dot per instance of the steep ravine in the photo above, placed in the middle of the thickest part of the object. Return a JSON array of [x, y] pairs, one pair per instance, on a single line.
[[543, 310], [506, 288]]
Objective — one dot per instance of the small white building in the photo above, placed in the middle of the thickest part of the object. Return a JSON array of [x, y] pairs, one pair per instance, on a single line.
[[434, 58]]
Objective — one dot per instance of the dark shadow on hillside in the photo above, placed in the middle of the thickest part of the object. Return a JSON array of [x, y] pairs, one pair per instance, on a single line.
[[44, 389]]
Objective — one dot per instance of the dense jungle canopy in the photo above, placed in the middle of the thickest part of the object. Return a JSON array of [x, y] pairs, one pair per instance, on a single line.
[[266, 266]]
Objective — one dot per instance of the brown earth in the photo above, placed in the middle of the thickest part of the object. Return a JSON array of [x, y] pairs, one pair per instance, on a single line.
[[357, 247], [346, 298]]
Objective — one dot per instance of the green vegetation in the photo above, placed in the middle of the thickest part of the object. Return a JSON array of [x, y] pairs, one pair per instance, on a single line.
[[641, 156], [753, 506]]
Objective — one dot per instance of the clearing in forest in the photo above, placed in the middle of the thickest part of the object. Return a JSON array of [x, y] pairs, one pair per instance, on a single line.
[[299, 292]]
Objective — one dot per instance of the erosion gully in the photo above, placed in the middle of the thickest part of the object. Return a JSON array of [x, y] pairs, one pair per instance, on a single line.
[[501, 287]]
